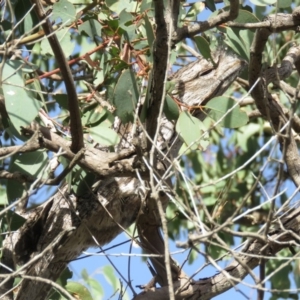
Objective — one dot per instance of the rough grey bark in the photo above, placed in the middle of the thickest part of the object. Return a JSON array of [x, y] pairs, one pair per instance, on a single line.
[[286, 233], [66, 225]]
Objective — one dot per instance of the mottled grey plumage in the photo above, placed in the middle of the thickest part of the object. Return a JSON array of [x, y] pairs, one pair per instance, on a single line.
[[67, 224]]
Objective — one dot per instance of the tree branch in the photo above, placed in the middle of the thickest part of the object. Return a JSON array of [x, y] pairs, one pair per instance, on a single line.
[[250, 256], [223, 17], [160, 54], [75, 120], [268, 107]]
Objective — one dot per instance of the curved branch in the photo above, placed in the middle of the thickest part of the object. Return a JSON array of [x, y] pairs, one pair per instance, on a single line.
[[160, 53], [267, 106], [75, 120], [250, 256], [223, 17]]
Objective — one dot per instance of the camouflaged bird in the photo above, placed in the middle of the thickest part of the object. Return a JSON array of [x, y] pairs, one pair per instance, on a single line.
[[60, 229]]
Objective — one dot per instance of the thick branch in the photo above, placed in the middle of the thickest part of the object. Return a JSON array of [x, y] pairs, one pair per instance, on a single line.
[[75, 120], [102, 163], [250, 256], [268, 107], [160, 54], [223, 17]]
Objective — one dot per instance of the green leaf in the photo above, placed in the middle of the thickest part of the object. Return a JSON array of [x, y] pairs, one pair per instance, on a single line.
[[32, 163], [93, 115], [220, 106], [129, 33], [241, 40], [124, 19], [235, 43], [280, 3], [280, 279], [191, 130], [64, 38], [210, 5], [30, 20], [78, 290], [117, 6], [96, 288], [17, 99], [62, 100], [11, 221], [149, 31], [171, 109], [145, 5], [64, 276], [246, 37], [284, 3], [143, 114], [85, 275], [104, 135], [3, 196], [245, 16], [263, 2], [194, 11], [65, 11], [109, 275], [102, 70], [91, 27], [126, 96], [78, 179], [81, 1], [203, 47], [245, 133]]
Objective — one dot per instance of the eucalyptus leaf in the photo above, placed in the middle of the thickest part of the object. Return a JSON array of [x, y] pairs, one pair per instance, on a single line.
[[3, 196], [30, 20], [125, 18], [96, 288], [93, 115], [245, 16], [64, 11], [149, 31], [192, 131], [126, 96], [17, 99], [203, 47], [280, 3], [235, 43], [78, 290], [117, 6], [110, 276], [31, 163], [219, 109], [11, 221], [194, 11], [263, 2], [211, 5], [104, 135], [64, 276], [171, 109], [91, 27], [64, 38], [84, 275]]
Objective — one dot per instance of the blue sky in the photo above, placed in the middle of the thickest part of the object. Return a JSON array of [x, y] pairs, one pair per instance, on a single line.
[[139, 271]]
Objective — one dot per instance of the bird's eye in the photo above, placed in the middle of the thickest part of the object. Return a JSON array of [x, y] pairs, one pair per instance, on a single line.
[[205, 72]]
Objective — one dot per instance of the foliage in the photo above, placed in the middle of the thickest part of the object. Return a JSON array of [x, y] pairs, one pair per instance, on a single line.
[[229, 166]]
